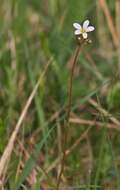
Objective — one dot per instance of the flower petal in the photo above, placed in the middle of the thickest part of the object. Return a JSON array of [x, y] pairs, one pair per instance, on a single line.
[[85, 35], [77, 26], [90, 29], [77, 32], [85, 24]]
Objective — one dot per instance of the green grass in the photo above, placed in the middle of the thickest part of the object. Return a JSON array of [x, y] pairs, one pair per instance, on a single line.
[[31, 33]]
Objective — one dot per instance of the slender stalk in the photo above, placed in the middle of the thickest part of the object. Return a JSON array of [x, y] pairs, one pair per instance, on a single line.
[[68, 114], [71, 82]]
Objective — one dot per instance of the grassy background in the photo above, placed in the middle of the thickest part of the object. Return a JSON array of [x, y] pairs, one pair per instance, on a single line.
[[32, 32]]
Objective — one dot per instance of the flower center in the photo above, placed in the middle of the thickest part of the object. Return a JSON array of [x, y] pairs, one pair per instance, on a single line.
[[83, 30]]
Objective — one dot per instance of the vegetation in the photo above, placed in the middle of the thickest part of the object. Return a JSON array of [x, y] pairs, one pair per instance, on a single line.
[[37, 49]]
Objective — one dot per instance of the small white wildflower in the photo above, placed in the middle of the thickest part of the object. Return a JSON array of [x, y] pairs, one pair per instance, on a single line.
[[83, 30]]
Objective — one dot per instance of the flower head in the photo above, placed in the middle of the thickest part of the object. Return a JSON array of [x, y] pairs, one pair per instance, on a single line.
[[83, 30]]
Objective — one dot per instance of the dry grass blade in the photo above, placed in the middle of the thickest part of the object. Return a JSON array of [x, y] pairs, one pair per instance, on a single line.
[[110, 22], [112, 29], [77, 142], [103, 37], [9, 148], [104, 112], [92, 123], [117, 5], [67, 152]]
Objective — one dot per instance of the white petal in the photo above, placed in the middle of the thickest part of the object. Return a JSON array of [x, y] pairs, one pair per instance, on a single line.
[[77, 32], [90, 28], [85, 35], [77, 26], [85, 24]]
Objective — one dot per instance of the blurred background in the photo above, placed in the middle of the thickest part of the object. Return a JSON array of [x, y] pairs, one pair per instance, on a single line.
[[32, 33]]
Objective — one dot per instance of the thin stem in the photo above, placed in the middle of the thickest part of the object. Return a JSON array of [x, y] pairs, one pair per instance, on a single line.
[[68, 114], [71, 82]]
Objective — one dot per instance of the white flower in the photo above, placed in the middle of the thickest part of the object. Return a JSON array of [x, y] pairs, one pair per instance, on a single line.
[[83, 29]]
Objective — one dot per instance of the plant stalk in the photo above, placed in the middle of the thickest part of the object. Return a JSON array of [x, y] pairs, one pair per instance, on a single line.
[[68, 114]]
